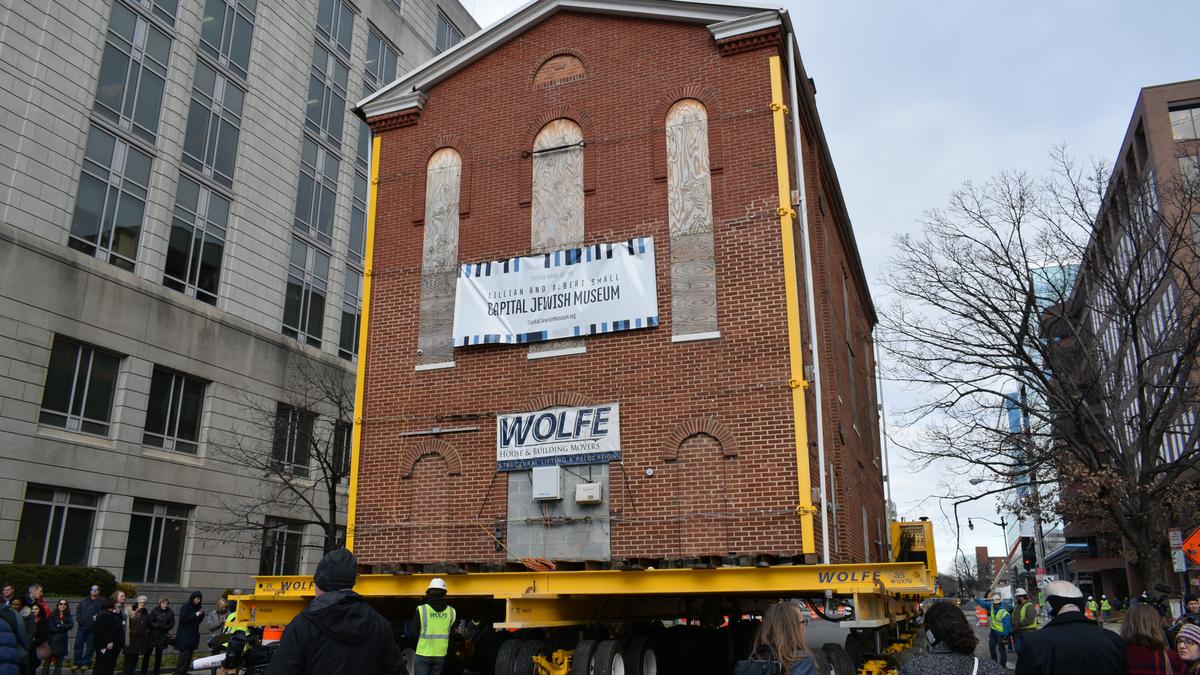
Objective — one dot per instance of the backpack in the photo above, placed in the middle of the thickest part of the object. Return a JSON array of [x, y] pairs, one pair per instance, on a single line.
[[759, 666]]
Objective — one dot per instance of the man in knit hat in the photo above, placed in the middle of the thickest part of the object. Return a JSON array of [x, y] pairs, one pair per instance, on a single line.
[[338, 633], [1071, 643]]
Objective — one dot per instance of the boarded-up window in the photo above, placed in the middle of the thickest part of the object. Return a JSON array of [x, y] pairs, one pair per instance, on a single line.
[[690, 216], [440, 258], [557, 204]]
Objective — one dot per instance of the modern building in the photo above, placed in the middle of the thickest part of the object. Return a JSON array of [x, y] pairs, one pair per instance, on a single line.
[[1134, 306], [181, 229]]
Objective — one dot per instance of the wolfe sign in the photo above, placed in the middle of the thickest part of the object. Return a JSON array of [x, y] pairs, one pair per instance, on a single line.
[[558, 436], [570, 293]]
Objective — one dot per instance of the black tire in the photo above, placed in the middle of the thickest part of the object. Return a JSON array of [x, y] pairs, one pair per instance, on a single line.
[[641, 656], [523, 664], [506, 657], [842, 665], [609, 659], [821, 663], [855, 650], [581, 658]]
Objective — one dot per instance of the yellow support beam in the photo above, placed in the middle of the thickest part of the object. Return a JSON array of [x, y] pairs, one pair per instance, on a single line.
[[360, 379], [796, 381]]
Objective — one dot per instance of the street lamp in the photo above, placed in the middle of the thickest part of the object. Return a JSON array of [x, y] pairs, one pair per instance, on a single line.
[[1003, 529]]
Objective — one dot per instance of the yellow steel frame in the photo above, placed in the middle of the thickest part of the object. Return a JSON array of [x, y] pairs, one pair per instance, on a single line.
[[883, 591], [361, 375], [796, 380]]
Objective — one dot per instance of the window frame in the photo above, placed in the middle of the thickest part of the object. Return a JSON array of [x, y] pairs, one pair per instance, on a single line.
[[293, 434], [114, 181], [222, 54], [351, 311], [309, 284], [61, 503], [292, 533], [332, 36], [75, 418], [160, 516], [169, 439], [333, 88], [453, 31], [138, 61], [219, 120], [322, 184], [343, 450], [1192, 110], [202, 230]]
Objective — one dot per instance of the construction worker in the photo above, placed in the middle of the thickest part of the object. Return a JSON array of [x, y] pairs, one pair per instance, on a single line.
[[1092, 607], [434, 621], [1105, 608], [1025, 618], [999, 628]]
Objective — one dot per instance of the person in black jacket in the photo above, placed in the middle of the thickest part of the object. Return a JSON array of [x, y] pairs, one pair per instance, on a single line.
[[1071, 643], [39, 634], [162, 620], [187, 637], [338, 632], [106, 636]]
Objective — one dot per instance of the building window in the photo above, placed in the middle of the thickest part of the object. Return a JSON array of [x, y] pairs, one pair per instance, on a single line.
[[197, 241], [343, 438], [1185, 121], [173, 415], [358, 220], [1189, 170], [316, 191], [214, 123], [282, 539], [351, 315], [448, 34], [292, 444], [326, 111], [439, 264], [133, 72], [56, 527], [80, 386], [335, 24], [157, 534], [226, 32], [163, 9], [304, 303], [689, 215], [381, 61], [111, 200]]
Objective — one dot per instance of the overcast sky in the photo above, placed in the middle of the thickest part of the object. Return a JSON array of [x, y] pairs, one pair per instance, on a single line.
[[917, 97]]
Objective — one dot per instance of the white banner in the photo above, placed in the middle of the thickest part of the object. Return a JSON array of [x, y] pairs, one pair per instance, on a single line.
[[562, 436], [579, 291]]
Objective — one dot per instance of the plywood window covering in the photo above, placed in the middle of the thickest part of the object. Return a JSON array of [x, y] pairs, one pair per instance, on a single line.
[[690, 216], [443, 187], [556, 209]]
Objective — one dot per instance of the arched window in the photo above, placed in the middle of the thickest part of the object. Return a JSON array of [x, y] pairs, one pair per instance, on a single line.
[[690, 216], [557, 205], [439, 264]]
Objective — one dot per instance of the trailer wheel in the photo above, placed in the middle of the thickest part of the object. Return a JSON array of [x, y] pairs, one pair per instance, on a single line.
[[641, 657], [506, 657], [842, 665], [523, 665], [609, 660], [582, 658], [821, 663], [854, 649]]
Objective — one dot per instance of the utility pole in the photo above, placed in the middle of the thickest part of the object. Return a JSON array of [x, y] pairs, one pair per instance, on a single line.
[[1039, 545]]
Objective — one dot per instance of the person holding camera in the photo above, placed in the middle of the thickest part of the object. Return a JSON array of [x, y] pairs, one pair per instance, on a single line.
[[1071, 643], [338, 632]]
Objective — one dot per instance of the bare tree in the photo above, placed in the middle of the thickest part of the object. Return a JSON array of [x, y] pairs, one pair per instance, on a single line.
[[1054, 326], [298, 449], [968, 580]]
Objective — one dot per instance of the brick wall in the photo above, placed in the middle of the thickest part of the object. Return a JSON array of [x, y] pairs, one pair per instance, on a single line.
[[712, 418]]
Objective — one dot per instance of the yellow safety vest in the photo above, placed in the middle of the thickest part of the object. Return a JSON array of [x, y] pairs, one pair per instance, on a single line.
[[1026, 617], [434, 639], [232, 625], [997, 621], [1105, 606]]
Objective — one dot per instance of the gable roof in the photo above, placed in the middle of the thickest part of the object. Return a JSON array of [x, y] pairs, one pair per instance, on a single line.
[[724, 19]]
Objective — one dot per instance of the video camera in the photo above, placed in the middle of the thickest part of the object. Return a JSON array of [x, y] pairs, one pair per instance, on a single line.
[[245, 653], [1158, 599]]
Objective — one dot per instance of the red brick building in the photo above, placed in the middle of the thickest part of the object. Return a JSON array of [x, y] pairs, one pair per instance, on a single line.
[[568, 125]]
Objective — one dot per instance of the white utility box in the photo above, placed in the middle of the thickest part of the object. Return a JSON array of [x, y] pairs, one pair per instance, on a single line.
[[589, 493], [547, 483]]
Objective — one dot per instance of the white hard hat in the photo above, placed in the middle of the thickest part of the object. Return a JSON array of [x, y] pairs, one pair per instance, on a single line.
[[437, 582], [1020, 591]]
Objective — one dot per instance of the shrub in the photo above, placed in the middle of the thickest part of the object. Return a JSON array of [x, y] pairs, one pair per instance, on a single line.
[[130, 589], [58, 580]]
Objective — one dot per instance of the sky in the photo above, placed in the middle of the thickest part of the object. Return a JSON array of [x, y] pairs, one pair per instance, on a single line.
[[918, 97]]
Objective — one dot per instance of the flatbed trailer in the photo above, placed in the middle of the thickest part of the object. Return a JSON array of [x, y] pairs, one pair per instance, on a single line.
[[622, 620]]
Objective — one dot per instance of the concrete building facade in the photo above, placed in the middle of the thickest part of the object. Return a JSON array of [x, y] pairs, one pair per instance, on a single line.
[[181, 224]]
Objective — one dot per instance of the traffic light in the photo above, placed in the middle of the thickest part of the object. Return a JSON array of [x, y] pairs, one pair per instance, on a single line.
[[1028, 556]]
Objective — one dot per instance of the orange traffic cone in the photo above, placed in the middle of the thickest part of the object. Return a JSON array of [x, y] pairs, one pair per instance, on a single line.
[[1088, 613], [981, 615]]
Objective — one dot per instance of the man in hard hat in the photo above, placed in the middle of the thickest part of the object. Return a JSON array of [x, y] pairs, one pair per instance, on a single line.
[[999, 627], [1093, 609], [1105, 608], [433, 623], [338, 633], [1024, 618]]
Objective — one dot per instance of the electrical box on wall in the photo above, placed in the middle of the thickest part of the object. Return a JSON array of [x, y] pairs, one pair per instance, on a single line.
[[589, 493], [547, 483]]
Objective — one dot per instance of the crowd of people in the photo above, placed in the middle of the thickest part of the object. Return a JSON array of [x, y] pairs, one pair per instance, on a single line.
[[109, 630]]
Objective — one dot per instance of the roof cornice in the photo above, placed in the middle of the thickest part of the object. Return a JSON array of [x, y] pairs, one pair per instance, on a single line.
[[731, 18]]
